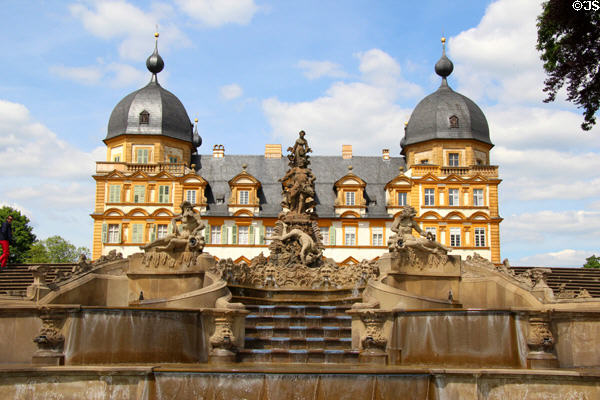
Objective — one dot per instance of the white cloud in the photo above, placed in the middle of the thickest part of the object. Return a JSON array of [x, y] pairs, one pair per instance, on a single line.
[[215, 13], [116, 75], [536, 227], [55, 195], [85, 75], [316, 69], [132, 25], [230, 92], [348, 112], [497, 59], [562, 258], [30, 148]]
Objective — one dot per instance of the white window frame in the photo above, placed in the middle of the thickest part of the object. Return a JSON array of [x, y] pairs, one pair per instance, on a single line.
[[243, 232], [350, 198], [244, 197], [215, 234], [350, 236], [429, 199], [455, 237], [479, 234], [190, 195], [377, 236], [478, 197], [162, 231], [454, 197], [453, 159], [402, 198], [113, 233]]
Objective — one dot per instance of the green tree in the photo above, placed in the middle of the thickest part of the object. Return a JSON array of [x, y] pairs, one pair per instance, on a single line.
[[569, 42], [592, 262], [55, 249], [22, 233]]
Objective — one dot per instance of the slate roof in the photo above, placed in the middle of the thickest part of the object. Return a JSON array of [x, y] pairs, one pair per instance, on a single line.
[[327, 170], [431, 118], [168, 116]]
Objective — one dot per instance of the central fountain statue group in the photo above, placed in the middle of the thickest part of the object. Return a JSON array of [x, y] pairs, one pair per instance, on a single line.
[[296, 249]]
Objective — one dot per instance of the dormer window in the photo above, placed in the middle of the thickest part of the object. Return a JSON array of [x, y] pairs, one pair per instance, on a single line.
[[454, 121], [144, 118]]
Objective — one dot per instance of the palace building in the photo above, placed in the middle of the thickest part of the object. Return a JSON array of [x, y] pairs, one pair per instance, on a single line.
[[152, 165]]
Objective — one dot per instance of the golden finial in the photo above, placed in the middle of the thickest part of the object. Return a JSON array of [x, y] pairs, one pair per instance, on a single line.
[[443, 40], [156, 35], [244, 166], [350, 167], [196, 120]]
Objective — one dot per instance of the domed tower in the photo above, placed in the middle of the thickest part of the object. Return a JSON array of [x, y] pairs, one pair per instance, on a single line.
[[150, 125], [446, 128], [455, 189], [147, 173]]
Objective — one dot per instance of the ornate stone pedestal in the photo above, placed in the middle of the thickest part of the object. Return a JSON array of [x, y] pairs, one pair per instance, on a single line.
[[540, 343], [50, 340]]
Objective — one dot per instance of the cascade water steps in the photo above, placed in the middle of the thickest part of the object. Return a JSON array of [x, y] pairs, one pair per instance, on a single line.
[[313, 328]]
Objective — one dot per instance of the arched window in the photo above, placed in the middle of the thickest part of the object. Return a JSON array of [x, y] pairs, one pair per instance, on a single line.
[[454, 121], [144, 118]]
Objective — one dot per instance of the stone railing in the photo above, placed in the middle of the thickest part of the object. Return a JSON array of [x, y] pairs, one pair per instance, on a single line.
[[105, 167], [485, 170]]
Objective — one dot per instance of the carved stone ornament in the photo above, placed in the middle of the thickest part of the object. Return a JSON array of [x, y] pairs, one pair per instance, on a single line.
[[540, 342], [182, 247], [373, 338], [111, 256], [50, 340], [222, 341], [262, 272]]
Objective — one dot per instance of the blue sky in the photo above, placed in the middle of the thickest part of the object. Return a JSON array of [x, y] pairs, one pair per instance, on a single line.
[[257, 71]]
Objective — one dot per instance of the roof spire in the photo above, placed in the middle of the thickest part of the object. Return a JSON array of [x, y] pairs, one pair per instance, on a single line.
[[155, 63], [444, 66]]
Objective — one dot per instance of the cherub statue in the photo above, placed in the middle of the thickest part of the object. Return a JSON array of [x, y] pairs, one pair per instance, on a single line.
[[403, 225], [189, 237]]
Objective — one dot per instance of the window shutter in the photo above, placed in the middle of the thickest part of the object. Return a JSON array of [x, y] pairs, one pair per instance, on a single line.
[[207, 229], [170, 229], [251, 235], [152, 232], [119, 236], [224, 234], [331, 236], [234, 234], [104, 233], [261, 235]]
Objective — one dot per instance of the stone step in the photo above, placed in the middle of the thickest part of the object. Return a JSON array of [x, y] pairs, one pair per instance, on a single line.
[[300, 296], [298, 356], [298, 331], [309, 321], [297, 310], [285, 343]]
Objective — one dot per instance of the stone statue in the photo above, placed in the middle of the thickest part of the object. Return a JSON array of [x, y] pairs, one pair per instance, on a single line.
[[403, 238], [309, 250], [189, 238], [299, 153]]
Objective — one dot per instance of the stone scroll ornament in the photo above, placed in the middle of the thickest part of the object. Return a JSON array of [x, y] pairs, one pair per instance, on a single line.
[[182, 246]]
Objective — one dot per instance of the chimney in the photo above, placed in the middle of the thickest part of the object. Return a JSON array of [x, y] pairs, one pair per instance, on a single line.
[[386, 154], [346, 151], [218, 151], [272, 151]]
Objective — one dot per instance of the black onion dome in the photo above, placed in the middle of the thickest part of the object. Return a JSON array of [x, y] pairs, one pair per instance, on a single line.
[[166, 115], [446, 114]]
